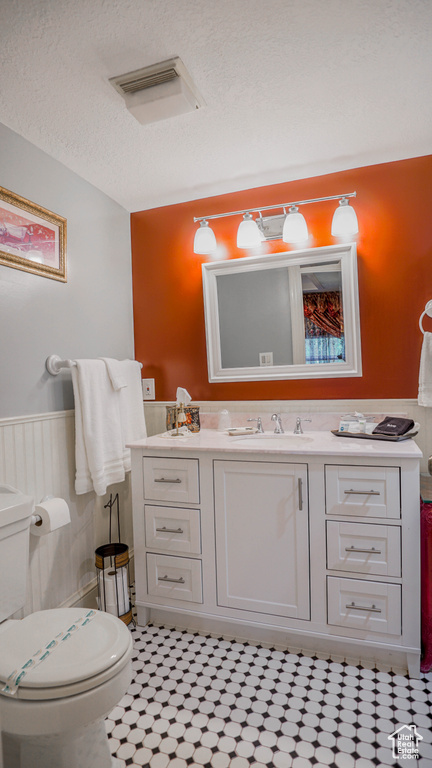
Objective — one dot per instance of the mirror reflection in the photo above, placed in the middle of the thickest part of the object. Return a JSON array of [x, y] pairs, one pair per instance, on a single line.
[[323, 314], [254, 318]]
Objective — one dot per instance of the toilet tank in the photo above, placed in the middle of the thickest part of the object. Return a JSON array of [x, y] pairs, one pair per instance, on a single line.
[[16, 510]]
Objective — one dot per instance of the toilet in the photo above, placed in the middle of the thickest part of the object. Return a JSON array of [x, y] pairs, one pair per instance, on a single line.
[[71, 665]]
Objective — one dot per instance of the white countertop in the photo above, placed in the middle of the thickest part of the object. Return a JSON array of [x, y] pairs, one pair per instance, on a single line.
[[311, 443]]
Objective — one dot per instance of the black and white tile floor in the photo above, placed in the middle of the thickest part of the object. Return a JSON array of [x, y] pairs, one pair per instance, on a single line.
[[203, 701]]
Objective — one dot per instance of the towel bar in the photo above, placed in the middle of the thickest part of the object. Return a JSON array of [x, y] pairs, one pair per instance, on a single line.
[[428, 312], [54, 364]]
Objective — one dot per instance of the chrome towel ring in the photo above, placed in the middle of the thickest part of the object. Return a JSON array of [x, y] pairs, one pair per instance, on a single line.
[[428, 312]]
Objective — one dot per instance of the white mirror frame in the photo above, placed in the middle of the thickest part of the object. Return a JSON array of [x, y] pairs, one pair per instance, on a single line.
[[347, 254]]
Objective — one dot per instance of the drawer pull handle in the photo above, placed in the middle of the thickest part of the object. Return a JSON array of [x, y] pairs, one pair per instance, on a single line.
[[364, 608], [300, 493], [170, 530], [174, 581], [372, 551], [364, 493], [167, 480]]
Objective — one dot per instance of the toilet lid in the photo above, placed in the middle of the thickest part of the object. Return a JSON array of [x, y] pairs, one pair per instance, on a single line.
[[88, 652]]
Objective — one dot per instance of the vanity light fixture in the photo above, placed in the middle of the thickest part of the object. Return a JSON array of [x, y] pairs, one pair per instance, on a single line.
[[344, 222], [205, 241], [248, 234], [291, 227], [295, 228]]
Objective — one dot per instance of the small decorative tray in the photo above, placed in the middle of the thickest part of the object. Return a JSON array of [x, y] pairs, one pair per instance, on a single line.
[[242, 430], [363, 435]]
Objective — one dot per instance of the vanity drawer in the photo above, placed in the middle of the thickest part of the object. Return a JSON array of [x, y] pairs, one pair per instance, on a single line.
[[168, 479], [172, 528], [368, 605], [363, 491], [374, 549], [174, 577]]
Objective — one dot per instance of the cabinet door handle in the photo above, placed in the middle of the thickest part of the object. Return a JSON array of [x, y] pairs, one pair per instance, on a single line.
[[170, 530], [167, 480], [300, 492], [372, 608], [371, 551], [174, 581], [363, 493]]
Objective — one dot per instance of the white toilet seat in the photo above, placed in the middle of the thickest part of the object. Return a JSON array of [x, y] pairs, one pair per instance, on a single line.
[[92, 655]]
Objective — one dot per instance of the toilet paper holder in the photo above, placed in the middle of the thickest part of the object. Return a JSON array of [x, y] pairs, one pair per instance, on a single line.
[[36, 519], [50, 514], [112, 570], [113, 580]]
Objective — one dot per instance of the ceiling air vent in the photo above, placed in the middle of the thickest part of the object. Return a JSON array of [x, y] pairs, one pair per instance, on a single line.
[[159, 91]]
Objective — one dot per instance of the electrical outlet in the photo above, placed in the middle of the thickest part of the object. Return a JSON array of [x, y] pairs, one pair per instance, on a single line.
[[266, 358], [148, 388]]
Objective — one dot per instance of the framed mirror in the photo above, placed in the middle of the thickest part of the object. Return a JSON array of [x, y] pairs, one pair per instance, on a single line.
[[291, 315]]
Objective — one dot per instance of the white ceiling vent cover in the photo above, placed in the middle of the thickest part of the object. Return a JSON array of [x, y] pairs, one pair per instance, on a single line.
[[159, 91]]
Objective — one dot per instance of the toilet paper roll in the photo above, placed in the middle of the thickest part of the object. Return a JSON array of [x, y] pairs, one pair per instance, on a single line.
[[54, 513], [108, 598]]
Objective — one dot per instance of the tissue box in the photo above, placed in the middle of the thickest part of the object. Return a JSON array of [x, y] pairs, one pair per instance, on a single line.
[[359, 426], [192, 418]]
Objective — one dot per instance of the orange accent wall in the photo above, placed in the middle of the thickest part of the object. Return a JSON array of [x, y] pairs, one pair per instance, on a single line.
[[394, 248]]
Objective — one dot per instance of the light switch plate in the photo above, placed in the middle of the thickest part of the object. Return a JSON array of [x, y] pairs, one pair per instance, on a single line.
[[148, 388], [266, 358]]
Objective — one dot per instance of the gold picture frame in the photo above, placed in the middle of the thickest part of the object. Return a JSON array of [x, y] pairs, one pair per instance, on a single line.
[[32, 238]]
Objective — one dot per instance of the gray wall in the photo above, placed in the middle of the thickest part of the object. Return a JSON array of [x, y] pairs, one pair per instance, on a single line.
[[91, 314]]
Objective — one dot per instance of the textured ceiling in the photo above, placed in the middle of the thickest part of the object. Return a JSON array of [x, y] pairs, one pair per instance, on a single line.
[[293, 88]]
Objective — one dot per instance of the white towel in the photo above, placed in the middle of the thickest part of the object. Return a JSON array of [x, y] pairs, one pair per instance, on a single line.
[[99, 446], [130, 403], [425, 375], [115, 368]]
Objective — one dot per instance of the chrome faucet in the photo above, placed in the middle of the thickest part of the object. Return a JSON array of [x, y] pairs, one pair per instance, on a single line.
[[298, 427], [278, 424], [259, 424]]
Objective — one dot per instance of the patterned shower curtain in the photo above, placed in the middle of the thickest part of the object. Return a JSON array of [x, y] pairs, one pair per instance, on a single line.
[[323, 314], [324, 337]]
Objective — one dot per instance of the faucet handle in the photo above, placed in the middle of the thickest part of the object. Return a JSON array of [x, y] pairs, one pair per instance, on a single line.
[[259, 423], [298, 427]]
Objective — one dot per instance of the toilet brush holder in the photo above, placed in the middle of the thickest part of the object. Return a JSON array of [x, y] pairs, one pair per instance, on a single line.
[[112, 569]]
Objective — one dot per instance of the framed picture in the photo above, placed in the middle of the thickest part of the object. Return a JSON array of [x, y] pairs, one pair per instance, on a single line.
[[31, 238]]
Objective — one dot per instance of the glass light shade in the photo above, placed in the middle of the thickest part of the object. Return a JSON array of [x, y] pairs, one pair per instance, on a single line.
[[344, 222], [248, 234], [205, 241], [295, 228]]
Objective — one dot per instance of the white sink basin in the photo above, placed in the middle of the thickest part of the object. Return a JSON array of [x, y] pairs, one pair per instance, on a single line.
[[285, 439]]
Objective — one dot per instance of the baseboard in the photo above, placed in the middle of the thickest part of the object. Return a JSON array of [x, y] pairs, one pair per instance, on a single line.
[[87, 596], [84, 598], [322, 646]]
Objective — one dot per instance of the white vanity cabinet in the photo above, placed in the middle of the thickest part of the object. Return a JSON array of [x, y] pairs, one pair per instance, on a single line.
[[315, 547]]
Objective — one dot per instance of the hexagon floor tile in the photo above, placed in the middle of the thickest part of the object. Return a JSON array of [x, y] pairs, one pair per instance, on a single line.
[[198, 700]]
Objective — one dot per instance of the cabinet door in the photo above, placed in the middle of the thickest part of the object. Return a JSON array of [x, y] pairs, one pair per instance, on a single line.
[[262, 546]]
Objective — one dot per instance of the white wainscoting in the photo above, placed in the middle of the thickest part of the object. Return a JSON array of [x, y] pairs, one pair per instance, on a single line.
[[37, 456]]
